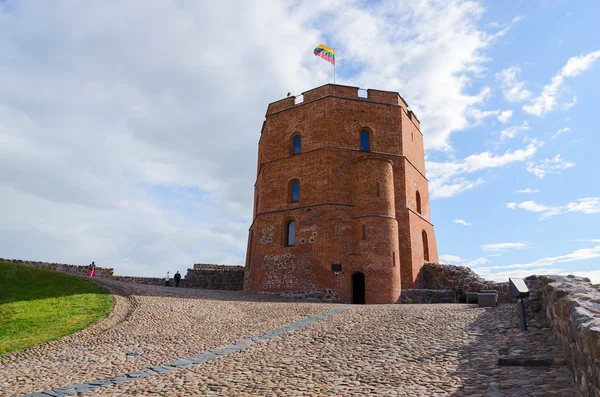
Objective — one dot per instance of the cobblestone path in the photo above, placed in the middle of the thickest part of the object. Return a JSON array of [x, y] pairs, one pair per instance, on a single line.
[[384, 350]]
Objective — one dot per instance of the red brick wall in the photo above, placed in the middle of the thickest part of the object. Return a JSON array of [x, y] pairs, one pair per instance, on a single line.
[[338, 195]]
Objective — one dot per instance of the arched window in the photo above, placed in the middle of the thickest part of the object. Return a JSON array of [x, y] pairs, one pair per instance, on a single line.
[[418, 202], [364, 141], [294, 191], [296, 144], [425, 246], [290, 233]]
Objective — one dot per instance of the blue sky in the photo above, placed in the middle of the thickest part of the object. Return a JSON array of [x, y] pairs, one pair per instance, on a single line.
[[545, 38], [128, 134]]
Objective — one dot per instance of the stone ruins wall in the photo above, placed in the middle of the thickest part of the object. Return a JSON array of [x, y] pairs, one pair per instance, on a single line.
[[320, 295], [221, 277], [81, 270], [460, 279], [423, 295], [572, 306], [205, 276], [143, 280]]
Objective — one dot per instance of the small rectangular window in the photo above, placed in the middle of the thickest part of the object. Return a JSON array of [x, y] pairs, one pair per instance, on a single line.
[[378, 192], [364, 232], [393, 259]]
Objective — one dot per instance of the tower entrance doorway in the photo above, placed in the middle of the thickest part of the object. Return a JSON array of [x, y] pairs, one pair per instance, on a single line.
[[358, 289]]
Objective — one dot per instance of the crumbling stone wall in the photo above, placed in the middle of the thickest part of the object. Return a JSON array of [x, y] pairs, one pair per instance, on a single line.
[[572, 306], [81, 270], [461, 279], [143, 280], [321, 295], [230, 278], [206, 276], [419, 295]]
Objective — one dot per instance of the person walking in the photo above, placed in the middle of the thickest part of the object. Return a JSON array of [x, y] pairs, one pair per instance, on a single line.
[[177, 277], [168, 279], [91, 269]]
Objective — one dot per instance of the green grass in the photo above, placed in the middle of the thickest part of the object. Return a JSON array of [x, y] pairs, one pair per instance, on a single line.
[[38, 305]]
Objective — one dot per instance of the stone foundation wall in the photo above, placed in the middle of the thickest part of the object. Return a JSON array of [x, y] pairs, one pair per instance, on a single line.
[[230, 278], [428, 296], [81, 270], [143, 280], [208, 266], [434, 276], [321, 295], [572, 306]]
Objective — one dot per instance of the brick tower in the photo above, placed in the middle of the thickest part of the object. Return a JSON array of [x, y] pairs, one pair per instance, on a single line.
[[341, 202]]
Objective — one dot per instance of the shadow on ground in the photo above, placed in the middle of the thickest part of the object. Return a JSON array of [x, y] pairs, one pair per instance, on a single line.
[[497, 334]]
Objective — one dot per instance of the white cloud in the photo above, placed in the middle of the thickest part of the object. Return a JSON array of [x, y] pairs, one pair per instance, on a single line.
[[543, 266], [579, 64], [593, 240], [561, 131], [479, 116], [446, 258], [586, 205], [503, 276], [570, 104], [446, 179], [505, 116], [548, 99], [578, 255], [512, 89], [531, 206], [411, 47], [593, 275], [501, 247], [505, 27], [589, 205], [528, 190], [135, 147], [548, 166], [461, 222], [451, 186], [457, 260], [476, 262], [512, 131]]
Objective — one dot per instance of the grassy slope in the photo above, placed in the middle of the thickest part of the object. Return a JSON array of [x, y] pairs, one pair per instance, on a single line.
[[38, 305]]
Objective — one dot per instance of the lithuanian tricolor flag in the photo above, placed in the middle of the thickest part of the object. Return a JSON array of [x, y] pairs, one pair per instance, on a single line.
[[327, 53]]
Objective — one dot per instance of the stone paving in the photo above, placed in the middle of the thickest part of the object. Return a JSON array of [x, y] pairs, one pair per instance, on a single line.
[[384, 350], [149, 326]]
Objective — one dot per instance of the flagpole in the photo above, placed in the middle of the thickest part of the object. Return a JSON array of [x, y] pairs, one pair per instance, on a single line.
[[333, 65]]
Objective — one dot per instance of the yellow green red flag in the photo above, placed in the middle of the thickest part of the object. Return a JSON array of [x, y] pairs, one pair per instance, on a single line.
[[327, 53]]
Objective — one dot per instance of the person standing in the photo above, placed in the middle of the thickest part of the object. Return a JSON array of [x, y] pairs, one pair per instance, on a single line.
[[177, 277], [91, 269], [167, 279]]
